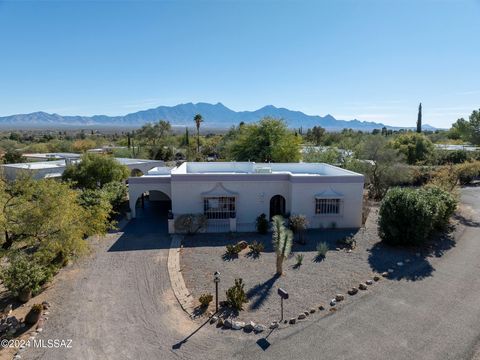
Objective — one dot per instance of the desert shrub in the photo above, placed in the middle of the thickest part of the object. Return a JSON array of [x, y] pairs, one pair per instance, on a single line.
[[322, 249], [256, 247], [298, 260], [298, 224], [23, 274], [445, 177], [232, 250], [347, 242], [468, 172], [409, 216], [190, 223], [262, 224], [236, 296], [444, 157], [205, 299]]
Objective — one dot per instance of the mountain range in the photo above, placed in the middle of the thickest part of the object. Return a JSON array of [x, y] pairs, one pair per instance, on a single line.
[[214, 115]]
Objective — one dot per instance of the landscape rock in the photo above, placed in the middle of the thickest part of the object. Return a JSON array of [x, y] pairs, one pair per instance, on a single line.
[[301, 316], [238, 325], [213, 319], [369, 282], [227, 323], [399, 263], [312, 310], [376, 278], [385, 273], [352, 291], [390, 271], [306, 313], [333, 309], [242, 244], [292, 321], [274, 325], [259, 328], [362, 287], [45, 305], [220, 322], [333, 302], [321, 307], [339, 297], [249, 327]]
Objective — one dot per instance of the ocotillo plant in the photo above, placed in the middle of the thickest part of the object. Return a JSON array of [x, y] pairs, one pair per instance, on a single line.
[[282, 241]]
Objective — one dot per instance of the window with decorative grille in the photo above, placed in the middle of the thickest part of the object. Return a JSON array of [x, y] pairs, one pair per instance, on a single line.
[[327, 206], [219, 207]]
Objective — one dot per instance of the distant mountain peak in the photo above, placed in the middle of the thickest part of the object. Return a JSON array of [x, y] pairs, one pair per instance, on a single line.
[[215, 116]]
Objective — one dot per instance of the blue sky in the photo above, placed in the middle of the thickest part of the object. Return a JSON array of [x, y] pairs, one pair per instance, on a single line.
[[371, 60]]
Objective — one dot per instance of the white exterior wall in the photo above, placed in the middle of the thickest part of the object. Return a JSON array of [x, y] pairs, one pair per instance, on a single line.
[[252, 200], [303, 202], [136, 189]]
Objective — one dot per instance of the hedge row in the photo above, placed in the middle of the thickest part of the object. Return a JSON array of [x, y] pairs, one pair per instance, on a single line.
[[410, 216]]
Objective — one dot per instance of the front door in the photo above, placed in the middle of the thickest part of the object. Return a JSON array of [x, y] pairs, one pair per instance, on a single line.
[[277, 206]]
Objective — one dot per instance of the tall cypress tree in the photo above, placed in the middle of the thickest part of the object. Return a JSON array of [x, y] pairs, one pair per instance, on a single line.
[[419, 119]]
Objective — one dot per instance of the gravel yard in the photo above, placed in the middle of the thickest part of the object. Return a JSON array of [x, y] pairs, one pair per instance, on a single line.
[[314, 282]]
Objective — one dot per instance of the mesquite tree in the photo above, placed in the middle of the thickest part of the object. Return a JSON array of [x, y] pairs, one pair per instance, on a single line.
[[282, 241]]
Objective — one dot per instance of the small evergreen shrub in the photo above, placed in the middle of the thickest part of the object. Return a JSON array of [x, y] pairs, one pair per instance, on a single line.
[[256, 247], [322, 249], [299, 260], [410, 216], [232, 250], [236, 296], [205, 299], [262, 224]]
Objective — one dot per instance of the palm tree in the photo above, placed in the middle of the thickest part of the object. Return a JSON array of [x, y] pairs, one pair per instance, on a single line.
[[198, 120], [282, 241]]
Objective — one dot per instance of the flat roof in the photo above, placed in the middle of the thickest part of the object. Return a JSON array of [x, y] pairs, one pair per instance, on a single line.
[[37, 165]]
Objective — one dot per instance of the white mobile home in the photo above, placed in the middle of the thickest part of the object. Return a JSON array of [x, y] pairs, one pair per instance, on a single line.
[[233, 194]]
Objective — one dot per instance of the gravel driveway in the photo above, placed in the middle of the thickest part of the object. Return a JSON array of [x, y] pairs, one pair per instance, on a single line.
[[118, 304]]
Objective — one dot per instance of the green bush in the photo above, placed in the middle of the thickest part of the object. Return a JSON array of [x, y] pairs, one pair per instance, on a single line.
[[299, 260], [256, 247], [262, 224], [23, 274], [116, 193], [409, 216], [468, 172], [190, 223], [205, 299], [232, 250], [322, 249], [236, 296]]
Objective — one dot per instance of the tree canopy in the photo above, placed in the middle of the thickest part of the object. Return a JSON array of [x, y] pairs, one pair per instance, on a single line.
[[267, 140], [94, 171], [414, 146], [469, 130]]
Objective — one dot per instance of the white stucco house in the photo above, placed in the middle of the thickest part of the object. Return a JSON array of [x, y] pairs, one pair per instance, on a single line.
[[55, 168], [233, 194]]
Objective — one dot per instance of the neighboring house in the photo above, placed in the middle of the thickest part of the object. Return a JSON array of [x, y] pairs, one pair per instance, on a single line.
[[233, 194], [55, 168], [50, 156]]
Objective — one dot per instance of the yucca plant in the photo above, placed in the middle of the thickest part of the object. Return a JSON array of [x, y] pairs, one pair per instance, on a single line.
[[282, 241]]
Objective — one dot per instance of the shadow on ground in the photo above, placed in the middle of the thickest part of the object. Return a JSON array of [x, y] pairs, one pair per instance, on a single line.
[[259, 293], [383, 257]]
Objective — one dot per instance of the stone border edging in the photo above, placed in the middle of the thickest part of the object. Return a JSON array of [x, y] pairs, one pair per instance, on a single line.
[[179, 288]]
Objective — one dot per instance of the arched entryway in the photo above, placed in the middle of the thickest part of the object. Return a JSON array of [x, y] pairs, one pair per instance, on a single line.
[[153, 204], [277, 206]]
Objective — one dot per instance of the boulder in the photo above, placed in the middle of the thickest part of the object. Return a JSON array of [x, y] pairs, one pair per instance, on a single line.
[[333, 309], [274, 325], [306, 313], [312, 310], [321, 307], [376, 278], [242, 244], [385, 273], [301, 316], [259, 328], [213, 319], [369, 282], [333, 302], [45, 305], [292, 321], [339, 297], [362, 287]]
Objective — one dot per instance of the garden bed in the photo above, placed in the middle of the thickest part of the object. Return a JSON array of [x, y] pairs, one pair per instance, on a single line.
[[314, 282]]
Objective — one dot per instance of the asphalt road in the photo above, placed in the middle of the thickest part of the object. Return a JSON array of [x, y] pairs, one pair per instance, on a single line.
[[121, 307], [437, 317]]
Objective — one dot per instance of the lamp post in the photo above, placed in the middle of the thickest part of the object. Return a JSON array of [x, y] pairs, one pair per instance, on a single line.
[[216, 280]]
